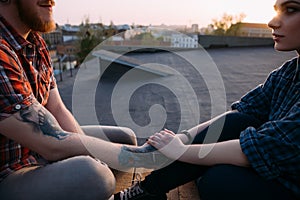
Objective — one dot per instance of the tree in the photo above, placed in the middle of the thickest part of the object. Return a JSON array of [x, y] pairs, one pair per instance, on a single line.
[[224, 26], [89, 38], [234, 29]]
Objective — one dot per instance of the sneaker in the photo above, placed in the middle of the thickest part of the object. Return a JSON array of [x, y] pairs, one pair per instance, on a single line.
[[137, 192]]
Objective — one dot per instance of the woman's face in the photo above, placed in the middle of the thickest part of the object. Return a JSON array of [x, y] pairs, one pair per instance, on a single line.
[[286, 25]]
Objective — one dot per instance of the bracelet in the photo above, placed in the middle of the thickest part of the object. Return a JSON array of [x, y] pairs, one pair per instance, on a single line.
[[185, 132]]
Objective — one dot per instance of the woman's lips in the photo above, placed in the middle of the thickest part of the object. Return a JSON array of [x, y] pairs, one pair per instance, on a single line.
[[277, 37]]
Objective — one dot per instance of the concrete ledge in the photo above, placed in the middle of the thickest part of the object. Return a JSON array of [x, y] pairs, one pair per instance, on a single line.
[[211, 41], [112, 57]]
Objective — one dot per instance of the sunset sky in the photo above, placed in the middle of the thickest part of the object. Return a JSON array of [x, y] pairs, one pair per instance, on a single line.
[[157, 12]]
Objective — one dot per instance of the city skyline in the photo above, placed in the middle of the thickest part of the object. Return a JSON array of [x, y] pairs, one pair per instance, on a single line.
[[155, 12]]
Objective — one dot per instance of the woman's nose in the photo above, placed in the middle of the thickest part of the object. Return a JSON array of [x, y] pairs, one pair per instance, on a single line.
[[274, 22]]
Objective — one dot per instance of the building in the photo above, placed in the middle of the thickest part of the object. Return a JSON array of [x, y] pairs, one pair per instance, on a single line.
[[53, 38], [253, 30], [184, 40], [195, 28]]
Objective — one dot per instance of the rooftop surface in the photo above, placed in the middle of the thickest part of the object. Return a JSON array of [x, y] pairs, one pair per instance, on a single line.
[[201, 85]]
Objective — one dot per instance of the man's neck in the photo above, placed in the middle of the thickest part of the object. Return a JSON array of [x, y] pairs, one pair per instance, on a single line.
[[14, 20]]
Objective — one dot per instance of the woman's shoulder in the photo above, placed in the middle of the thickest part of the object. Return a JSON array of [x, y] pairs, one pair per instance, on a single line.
[[287, 69]]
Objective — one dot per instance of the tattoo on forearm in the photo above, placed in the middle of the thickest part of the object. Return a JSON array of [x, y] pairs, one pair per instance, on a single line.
[[43, 121], [146, 157]]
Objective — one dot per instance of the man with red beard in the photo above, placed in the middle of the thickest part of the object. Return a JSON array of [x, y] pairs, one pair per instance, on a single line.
[[41, 149]]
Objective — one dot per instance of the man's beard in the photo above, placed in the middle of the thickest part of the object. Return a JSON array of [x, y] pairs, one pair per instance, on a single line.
[[32, 19]]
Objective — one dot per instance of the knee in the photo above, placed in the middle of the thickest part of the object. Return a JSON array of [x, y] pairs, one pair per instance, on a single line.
[[95, 178], [131, 137], [114, 134], [125, 136]]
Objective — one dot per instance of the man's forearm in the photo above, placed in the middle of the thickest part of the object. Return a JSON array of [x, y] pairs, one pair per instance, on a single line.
[[37, 129], [64, 117], [67, 121]]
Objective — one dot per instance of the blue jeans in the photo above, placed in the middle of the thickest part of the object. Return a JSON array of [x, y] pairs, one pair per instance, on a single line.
[[219, 181]]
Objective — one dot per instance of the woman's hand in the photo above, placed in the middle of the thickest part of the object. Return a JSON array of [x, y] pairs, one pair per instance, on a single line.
[[168, 143]]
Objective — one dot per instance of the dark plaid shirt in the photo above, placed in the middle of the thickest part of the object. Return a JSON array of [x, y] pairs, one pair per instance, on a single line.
[[274, 148], [26, 75]]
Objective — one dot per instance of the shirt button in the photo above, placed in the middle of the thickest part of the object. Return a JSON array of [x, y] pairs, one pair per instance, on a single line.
[[18, 107], [29, 46]]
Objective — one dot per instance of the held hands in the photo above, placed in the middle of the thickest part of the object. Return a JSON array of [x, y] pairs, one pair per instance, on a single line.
[[160, 150], [168, 143]]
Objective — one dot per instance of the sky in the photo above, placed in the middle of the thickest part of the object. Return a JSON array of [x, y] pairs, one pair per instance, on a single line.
[[157, 12]]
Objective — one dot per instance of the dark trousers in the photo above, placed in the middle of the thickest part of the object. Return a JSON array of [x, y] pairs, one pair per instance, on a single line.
[[219, 181]]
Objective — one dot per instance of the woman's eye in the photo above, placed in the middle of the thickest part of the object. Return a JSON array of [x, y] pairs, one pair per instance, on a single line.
[[290, 10]]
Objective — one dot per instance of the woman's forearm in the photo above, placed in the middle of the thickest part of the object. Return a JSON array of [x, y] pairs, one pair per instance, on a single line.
[[228, 152]]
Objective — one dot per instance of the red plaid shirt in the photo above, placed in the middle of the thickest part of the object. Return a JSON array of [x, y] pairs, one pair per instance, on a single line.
[[26, 75]]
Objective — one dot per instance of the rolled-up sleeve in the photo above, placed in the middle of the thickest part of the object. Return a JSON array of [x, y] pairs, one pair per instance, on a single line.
[[15, 90]]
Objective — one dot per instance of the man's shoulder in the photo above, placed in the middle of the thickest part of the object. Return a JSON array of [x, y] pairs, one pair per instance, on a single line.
[[3, 43], [7, 51]]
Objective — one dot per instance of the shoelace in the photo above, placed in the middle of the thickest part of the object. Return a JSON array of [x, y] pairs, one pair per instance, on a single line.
[[134, 190]]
